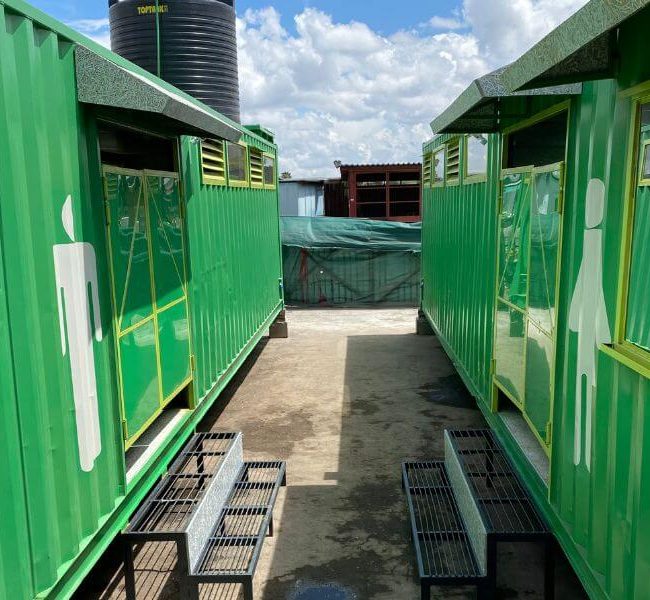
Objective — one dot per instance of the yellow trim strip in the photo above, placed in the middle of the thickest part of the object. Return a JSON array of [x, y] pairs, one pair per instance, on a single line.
[[124, 332], [625, 355], [173, 303], [540, 116], [176, 391]]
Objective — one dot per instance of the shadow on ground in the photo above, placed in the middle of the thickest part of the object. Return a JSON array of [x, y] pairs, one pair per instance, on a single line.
[[347, 398]]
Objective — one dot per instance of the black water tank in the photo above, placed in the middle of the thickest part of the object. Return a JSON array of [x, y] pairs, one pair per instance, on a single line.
[[198, 46]]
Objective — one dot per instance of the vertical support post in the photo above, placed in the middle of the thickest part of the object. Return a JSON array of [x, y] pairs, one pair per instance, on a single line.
[[352, 194], [387, 175], [248, 588], [129, 570], [549, 569], [189, 590], [425, 590]]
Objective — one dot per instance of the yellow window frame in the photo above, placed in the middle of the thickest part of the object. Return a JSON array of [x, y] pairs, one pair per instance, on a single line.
[[238, 182], [625, 352], [475, 177], [270, 186]]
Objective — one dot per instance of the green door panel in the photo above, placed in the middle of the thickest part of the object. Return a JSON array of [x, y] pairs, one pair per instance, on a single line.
[[140, 379], [512, 286], [174, 339], [514, 225], [146, 236], [509, 349], [544, 245], [539, 367], [637, 326], [130, 248], [529, 238], [163, 200]]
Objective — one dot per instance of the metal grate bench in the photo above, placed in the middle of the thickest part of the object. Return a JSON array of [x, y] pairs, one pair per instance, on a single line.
[[207, 504], [481, 501], [442, 546]]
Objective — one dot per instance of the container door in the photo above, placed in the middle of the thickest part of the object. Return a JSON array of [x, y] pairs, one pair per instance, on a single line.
[[512, 283], [146, 241], [545, 229], [167, 245], [134, 317]]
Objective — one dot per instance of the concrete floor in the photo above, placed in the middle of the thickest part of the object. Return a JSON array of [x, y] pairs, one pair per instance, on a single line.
[[344, 400]]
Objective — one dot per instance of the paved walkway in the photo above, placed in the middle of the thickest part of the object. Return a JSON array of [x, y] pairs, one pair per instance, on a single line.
[[344, 400]]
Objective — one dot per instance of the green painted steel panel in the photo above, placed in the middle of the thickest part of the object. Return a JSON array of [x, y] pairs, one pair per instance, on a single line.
[[65, 492], [235, 271], [42, 137], [174, 339], [599, 508], [15, 572], [459, 254], [129, 233], [139, 376]]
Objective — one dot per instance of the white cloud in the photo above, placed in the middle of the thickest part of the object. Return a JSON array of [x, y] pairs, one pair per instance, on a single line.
[[343, 91], [95, 29], [507, 28], [437, 22]]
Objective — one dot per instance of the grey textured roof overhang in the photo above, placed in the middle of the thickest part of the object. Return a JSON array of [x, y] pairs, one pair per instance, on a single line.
[[580, 49], [479, 108], [105, 83]]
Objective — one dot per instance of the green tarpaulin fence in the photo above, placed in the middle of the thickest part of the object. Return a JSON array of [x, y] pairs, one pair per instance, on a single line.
[[348, 262]]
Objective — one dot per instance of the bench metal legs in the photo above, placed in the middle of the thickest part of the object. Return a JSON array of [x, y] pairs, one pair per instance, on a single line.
[[129, 571]]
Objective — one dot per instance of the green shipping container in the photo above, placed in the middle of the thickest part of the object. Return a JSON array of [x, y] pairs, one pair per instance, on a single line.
[[140, 263], [536, 271]]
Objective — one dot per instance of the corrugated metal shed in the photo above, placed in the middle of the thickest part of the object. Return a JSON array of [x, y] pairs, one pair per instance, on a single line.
[[302, 198]]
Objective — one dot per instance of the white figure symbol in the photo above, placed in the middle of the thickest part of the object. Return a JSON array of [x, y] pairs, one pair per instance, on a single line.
[[75, 269], [588, 317]]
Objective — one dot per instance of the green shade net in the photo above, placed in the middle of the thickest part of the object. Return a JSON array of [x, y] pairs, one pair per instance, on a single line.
[[351, 262]]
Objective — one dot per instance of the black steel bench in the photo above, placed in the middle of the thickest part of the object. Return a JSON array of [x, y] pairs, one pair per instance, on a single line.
[[462, 507], [216, 508], [442, 545]]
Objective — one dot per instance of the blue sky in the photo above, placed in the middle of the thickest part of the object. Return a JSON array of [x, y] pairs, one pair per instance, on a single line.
[[353, 80], [380, 15]]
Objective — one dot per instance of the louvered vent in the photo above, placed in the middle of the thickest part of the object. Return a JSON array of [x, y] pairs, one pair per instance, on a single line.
[[213, 164], [426, 171], [257, 168], [452, 169]]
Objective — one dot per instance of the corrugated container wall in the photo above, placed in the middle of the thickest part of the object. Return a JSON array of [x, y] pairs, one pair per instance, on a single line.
[[42, 136], [55, 517], [459, 257], [233, 236], [601, 513]]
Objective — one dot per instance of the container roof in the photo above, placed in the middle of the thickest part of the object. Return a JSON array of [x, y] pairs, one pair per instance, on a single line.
[[106, 79], [479, 108], [580, 49], [102, 82]]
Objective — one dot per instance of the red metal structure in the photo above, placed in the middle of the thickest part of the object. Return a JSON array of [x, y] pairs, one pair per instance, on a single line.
[[384, 192]]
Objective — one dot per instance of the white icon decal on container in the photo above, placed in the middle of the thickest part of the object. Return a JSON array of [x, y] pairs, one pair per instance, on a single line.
[[588, 317], [75, 267]]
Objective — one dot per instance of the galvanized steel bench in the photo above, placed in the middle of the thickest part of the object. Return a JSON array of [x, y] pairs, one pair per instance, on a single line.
[[462, 507], [216, 508]]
